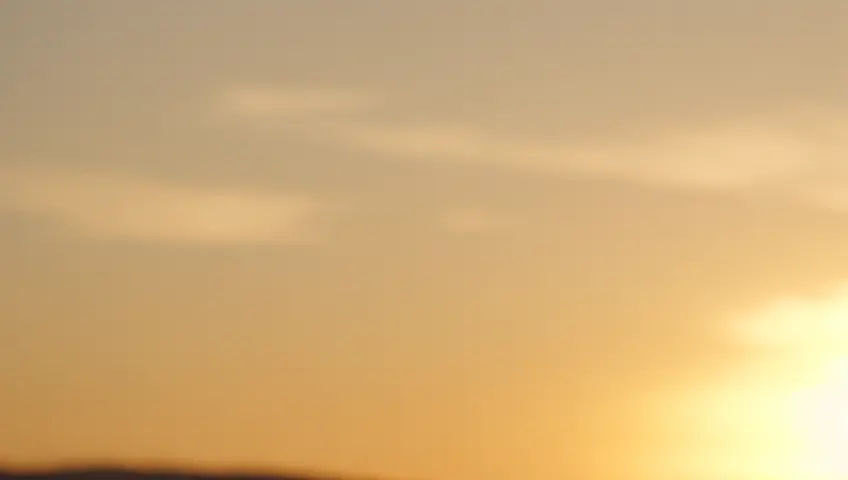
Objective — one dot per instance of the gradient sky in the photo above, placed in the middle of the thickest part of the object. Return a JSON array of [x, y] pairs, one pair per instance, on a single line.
[[440, 240]]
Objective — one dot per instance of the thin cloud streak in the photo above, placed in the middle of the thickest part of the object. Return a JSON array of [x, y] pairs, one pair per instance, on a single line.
[[109, 206], [803, 324], [732, 156], [791, 153]]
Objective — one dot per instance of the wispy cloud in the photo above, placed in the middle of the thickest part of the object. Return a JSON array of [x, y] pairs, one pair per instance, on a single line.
[[109, 206], [814, 325], [791, 152], [264, 101], [733, 155]]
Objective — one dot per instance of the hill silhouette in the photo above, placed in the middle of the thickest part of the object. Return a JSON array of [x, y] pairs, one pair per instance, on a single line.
[[120, 473]]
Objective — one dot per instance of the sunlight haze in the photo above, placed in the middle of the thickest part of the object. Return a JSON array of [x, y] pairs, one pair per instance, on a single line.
[[432, 240]]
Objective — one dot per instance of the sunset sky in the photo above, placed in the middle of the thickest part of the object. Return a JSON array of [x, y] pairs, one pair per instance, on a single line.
[[431, 240]]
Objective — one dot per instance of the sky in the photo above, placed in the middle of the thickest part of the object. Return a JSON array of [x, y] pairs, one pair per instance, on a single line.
[[432, 240]]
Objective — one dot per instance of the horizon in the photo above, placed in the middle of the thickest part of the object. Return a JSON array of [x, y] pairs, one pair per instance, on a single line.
[[153, 468], [442, 240]]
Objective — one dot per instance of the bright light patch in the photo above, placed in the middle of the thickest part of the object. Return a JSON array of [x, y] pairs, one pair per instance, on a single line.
[[822, 414], [784, 415]]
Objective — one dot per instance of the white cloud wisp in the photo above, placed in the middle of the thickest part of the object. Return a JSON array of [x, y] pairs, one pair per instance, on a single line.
[[796, 154], [108, 206]]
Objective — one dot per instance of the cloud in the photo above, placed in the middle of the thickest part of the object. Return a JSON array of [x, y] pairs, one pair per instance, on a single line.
[[797, 152], [108, 206], [813, 325], [736, 155], [799, 155], [274, 102]]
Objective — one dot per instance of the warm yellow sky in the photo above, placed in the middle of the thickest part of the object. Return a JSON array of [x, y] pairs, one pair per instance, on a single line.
[[441, 240]]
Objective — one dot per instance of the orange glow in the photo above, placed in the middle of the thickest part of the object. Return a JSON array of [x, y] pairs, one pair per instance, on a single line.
[[784, 416]]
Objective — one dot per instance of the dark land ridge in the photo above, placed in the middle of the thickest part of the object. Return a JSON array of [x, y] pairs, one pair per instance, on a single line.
[[121, 473]]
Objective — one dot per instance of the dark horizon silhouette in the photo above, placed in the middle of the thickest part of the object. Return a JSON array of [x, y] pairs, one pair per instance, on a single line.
[[117, 471]]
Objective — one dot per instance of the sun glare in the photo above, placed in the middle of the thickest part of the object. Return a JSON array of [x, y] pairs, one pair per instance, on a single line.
[[822, 417], [783, 416]]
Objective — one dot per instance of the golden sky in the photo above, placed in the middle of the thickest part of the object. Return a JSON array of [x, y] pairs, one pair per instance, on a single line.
[[442, 240]]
